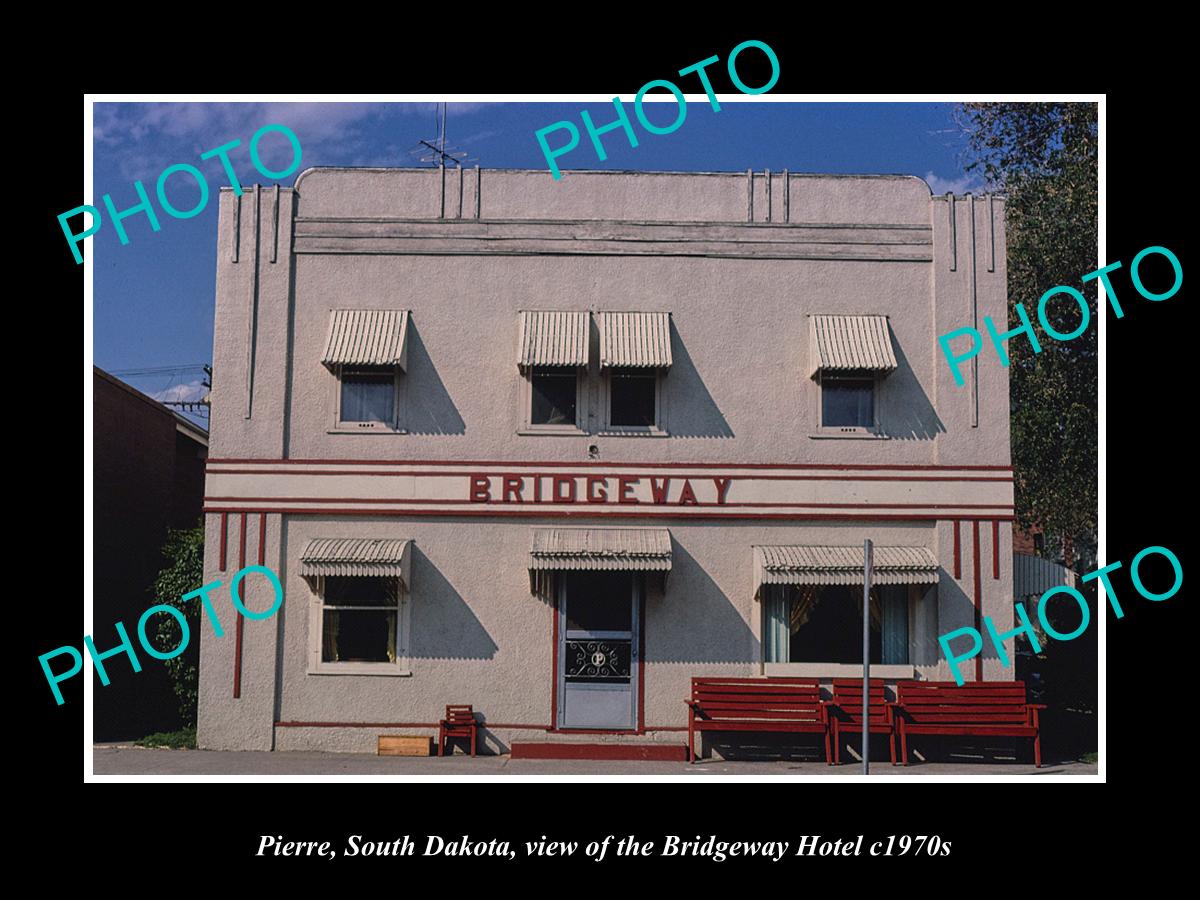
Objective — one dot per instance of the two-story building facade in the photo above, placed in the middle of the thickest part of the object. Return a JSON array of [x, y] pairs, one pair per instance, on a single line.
[[552, 448]]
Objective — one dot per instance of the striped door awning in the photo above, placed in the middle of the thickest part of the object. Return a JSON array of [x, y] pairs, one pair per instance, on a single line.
[[639, 340], [840, 343], [598, 549], [553, 338], [367, 337], [358, 557], [842, 565]]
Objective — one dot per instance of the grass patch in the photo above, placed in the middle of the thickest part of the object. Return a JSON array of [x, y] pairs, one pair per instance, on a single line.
[[184, 739], [1092, 757]]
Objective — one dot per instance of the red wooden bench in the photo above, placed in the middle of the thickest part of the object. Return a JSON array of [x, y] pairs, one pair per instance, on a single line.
[[459, 723], [756, 704], [845, 714], [976, 709]]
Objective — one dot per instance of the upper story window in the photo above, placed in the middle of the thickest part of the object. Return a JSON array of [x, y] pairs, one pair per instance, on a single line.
[[850, 357], [367, 396], [367, 351], [635, 356], [553, 358], [848, 401], [554, 396], [633, 400]]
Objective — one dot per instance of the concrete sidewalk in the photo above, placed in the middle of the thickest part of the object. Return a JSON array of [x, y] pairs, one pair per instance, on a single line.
[[122, 759]]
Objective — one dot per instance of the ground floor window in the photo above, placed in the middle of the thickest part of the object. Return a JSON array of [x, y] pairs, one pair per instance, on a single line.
[[823, 624], [359, 619]]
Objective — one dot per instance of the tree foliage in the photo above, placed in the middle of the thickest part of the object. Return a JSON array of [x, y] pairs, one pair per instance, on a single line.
[[1043, 157], [184, 572]]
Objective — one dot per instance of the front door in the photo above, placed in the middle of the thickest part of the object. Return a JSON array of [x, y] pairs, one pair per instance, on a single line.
[[598, 635]]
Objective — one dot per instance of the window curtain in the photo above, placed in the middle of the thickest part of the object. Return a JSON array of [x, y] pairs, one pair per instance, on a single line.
[[804, 600], [391, 644], [329, 650], [895, 625], [775, 638], [874, 605]]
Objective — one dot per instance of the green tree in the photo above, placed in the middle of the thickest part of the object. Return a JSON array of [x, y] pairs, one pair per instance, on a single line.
[[184, 572], [1043, 156]]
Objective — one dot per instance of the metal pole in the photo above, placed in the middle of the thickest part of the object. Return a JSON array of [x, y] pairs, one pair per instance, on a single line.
[[866, 697]]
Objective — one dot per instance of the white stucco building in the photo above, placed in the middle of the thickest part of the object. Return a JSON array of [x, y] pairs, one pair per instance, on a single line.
[[552, 448]]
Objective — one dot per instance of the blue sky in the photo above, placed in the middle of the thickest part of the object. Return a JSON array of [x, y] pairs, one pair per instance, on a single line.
[[154, 296]]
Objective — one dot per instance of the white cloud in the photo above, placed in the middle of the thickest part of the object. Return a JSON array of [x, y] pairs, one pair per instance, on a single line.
[[191, 392], [961, 185], [143, 138]]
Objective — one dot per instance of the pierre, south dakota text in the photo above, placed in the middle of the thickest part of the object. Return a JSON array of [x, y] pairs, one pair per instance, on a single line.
[[671, 845]]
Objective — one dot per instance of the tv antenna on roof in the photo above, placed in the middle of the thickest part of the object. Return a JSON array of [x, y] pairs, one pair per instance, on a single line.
[[435, 151]]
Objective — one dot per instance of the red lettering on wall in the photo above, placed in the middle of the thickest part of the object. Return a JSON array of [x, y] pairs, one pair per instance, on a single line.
[[722, 489], [559, 482], [687, 497], [625, 485], [512, 486], [481, 491], [596, 489], [659, 491]]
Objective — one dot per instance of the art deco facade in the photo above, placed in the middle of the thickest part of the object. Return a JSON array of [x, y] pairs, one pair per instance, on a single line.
[[552, 448]]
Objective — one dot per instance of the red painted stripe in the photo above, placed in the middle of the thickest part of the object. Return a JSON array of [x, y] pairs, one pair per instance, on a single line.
[[995, 549], [705, 503], [262, 538], [957, 552], [224, 538], [978, 601], [237, 647], [559, 463], [591, 513], [431, 474]]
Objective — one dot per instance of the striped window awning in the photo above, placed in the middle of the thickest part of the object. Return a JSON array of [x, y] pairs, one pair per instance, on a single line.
[[842, 565], [358, 557], [861, 343], [1034, 575], [638, 340], [367, 337], [598, 549], [553, 338]]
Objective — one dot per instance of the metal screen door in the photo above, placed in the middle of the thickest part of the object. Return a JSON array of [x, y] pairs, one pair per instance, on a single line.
[[598, 636]]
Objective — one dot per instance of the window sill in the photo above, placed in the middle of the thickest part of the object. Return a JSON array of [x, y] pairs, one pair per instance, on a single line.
[[559, 430], [633, 432], [352, 668], [838, 670], [836, 434], [349, 429]]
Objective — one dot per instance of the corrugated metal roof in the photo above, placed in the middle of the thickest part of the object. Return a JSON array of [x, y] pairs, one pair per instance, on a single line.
[[1033, 575], [851, 342], [843, 565], [553, 338], [634, 339], [356, 557], [367, 337], [646, 549]]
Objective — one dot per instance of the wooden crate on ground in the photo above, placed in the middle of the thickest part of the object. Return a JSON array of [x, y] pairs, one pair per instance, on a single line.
[[404, 745]]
